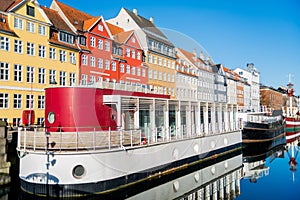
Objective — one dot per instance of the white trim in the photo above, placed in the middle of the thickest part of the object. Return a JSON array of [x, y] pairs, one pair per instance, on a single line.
[[94, 72], [21, 88]]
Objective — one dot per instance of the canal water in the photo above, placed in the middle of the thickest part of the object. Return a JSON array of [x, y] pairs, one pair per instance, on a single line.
[[259, 171]]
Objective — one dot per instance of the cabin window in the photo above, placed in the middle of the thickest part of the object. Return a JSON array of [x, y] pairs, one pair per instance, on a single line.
[[30, 11]]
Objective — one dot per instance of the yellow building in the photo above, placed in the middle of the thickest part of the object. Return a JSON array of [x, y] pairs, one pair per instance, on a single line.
[[159, 50], [31, 60]]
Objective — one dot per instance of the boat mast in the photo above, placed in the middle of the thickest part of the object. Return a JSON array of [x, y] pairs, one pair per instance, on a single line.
[[290, 92]]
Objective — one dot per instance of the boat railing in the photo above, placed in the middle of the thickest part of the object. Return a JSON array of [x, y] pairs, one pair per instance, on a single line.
[[96, 138]]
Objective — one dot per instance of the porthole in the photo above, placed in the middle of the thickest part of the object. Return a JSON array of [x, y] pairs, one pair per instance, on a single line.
[[78, 171], [51, 117]]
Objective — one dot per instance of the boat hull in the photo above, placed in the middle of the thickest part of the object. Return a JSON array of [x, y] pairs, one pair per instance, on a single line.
[[105, 172], [257, 132], [292, 129]]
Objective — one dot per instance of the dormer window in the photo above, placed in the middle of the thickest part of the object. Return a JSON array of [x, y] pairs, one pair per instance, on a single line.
[[82, 40], [30, 11], [65, 37]]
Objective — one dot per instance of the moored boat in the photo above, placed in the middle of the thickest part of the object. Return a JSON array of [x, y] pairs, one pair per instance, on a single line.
[[262, 127], [292, 116], [96, 141]]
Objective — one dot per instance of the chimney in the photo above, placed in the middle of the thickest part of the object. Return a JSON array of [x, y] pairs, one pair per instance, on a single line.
[[202, 55], [152, 20], [135, 11]]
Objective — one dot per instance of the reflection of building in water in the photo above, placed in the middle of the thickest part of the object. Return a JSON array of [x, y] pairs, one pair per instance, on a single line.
[[214, 181], [255, 170], [225, 187]]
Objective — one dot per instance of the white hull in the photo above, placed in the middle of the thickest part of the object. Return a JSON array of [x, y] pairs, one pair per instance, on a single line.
[[118, 167]]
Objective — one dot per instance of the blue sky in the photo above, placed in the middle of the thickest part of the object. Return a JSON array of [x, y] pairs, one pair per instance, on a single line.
[[232, 32]]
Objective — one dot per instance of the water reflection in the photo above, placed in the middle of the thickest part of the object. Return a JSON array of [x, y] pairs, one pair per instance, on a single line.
[[256, 172]]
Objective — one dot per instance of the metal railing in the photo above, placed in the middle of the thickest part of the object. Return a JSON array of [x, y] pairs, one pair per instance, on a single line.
[[93, 138]]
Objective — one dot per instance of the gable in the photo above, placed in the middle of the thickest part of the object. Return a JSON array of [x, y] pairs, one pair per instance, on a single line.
[[99, 27], [30, 9], [133, 41]]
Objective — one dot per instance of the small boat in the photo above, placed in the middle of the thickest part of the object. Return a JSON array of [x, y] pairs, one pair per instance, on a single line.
[[262, 127]]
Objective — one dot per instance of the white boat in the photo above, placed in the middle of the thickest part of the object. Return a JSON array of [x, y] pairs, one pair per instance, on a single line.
[[97, 141]]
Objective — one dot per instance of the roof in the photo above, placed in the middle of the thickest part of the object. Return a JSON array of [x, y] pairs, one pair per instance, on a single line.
[[123, 36], [76, 17], [89, 22], [148, 27], [4, 27], [5, 5], [56, 20], [114, 29]]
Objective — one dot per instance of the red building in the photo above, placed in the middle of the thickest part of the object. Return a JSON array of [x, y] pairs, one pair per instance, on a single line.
[[129, 54], [95, 40]]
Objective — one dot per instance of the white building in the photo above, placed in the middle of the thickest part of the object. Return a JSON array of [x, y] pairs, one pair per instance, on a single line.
[[251, 74]]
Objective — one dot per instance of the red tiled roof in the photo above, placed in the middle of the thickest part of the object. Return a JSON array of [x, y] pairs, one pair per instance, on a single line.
[[4, 24], [5, 5], [122, 37], [75, 16], [88, 23], [56, 20], [114, 29]]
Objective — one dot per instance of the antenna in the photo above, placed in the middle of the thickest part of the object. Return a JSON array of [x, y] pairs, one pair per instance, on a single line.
[[290, 77]]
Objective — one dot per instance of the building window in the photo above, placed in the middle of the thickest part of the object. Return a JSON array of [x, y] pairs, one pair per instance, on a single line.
[[149, 58], [138, 55], [4, 45], [138, 71], [100, 79], [40, 120], [107, 46], [72, 79], [18, 73], [84, 59], [18, 47], [100, 63], [62, 56], [4, 71], [133, 40], [62, 78], [143, 73], [16, 121], [72, 58], [92, 62], [42, 75], [41, 101], [127, 52], [30, 48], [92, 41], [29, 101], [83, 79], [100, 44], [100, 27], [150, 73], [52, 53], [114, 66], [65, 37], [18, 23], [42, 51], [30, 27], [30, 10], [3, 100], [52, 76], [122, 68], [82, 40], [29, 74], [133, 54], [42, 30], [92, 79], [133, 70], [107, 63], [127, 69]]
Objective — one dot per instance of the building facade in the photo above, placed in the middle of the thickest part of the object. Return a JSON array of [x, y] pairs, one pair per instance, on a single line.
[[28, 61]]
